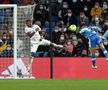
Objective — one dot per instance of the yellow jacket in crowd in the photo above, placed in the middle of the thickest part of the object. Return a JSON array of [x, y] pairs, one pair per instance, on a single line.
[[96, 12]]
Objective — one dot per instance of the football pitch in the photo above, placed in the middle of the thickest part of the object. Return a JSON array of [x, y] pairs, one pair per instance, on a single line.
[[56, 84]]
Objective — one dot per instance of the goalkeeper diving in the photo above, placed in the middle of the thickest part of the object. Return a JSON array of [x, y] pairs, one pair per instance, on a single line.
[[36, 39]]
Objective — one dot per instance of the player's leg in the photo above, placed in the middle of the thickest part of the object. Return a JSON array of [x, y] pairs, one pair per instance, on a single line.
[[47, 43], [104, 51], [34, 48], [93, 57], [101, 46], [57, 45], [92, 45]]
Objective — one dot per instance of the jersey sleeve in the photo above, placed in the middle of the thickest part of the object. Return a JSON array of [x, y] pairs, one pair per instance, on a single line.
[[82, 30], [95, 28], [106, 35], [36, 27], [27, 30]]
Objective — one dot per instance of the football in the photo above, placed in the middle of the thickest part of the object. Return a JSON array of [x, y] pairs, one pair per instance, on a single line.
[[72, 27]]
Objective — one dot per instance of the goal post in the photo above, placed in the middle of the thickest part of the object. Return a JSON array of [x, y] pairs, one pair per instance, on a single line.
[[14, 63], [8, 13], [15, 39]]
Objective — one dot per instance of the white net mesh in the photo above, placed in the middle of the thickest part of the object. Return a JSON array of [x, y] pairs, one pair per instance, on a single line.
[[7, 66], [6, 41], [24, 13]]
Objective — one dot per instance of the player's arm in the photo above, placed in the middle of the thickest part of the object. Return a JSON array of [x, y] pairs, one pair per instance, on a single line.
[[40, 31], [95, 28], [106, 35], [82, 30], [103, 38], [30, 34]]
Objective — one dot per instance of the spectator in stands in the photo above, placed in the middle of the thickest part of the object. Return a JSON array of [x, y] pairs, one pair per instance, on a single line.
[[58, 7], [83, 47], [105, 10], [80, 49], [9, 34], [27, 2], [56, 35], [19, 2], [83, 19], [87, 12], [2, 47], [62, 13], [74, 6], [86, 7], [69, 34], [97, 53], [61, 26], [69, 46], [3, 18], [9, 30], [105, 25], [9, 51], [4, 37], [62, 39], [46, 27], [4, 2], [39, 1], [69, 18], [40, 14], [96, 11], [0, 34], [13, 1]]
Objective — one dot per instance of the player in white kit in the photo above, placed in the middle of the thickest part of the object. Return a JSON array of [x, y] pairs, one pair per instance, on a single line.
[[36, 38]]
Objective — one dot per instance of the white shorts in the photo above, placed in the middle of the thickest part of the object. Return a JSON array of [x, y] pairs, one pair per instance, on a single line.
[[34, 46]]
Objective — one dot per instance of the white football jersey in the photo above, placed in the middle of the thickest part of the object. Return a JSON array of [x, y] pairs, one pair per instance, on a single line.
[[36, 37]]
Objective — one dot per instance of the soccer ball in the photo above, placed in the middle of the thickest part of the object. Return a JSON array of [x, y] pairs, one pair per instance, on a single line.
[[72, 27]]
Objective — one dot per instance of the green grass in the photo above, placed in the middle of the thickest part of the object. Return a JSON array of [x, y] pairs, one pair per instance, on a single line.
[[63, 84]]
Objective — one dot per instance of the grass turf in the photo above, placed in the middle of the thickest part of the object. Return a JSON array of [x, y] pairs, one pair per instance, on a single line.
[[70, 84]]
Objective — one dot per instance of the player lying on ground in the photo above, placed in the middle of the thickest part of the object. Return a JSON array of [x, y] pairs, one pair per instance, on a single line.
[[36, 38], [94, 40]]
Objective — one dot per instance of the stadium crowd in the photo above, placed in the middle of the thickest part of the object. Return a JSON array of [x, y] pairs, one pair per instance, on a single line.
[[6, 33], [64, 13], [6, 42]]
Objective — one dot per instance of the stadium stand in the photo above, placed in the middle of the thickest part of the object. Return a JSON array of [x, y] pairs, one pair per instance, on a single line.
[[65, 13]]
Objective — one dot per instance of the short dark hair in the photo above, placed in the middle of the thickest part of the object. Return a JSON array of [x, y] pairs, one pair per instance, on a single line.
[[82, 24]]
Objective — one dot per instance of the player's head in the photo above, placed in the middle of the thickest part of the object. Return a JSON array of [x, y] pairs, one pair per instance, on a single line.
[[82, 25], [29, 22], [37, 22]]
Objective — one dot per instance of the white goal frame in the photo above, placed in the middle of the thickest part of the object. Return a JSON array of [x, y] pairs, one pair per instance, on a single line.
[[14, 6]]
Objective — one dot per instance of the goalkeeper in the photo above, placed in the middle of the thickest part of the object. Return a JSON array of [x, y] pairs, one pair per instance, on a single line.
[[36, 39]]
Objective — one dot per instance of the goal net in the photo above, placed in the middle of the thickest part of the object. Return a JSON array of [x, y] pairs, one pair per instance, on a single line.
[[8, 28], [14, 44], [23, 53]]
